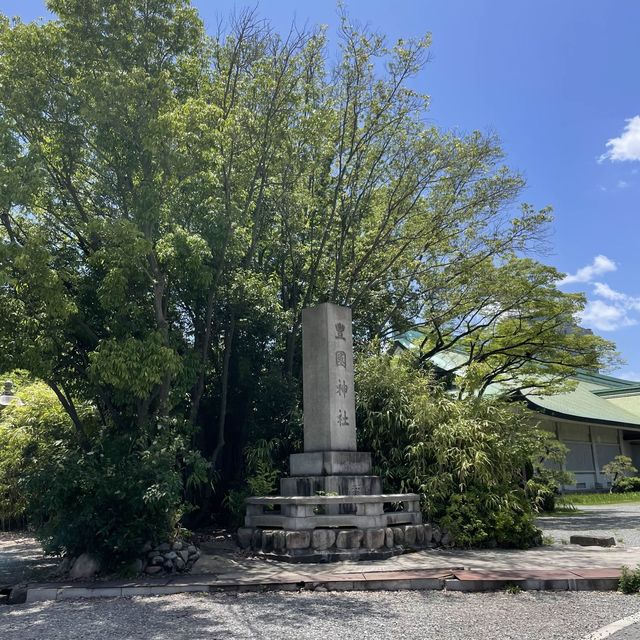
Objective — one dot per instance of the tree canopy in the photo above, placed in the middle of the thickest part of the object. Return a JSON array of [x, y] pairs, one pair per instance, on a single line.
[[171, 201]]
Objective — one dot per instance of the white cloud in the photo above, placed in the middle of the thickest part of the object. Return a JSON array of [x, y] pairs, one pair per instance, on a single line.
[[605, 291], [606, 317], [627, 145], [600, 265], [622, 184]]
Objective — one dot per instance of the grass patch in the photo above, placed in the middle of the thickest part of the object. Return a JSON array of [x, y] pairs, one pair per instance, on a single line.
[[604, 498]]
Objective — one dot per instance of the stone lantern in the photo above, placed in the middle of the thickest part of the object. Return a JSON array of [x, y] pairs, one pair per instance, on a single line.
[[8, 396]]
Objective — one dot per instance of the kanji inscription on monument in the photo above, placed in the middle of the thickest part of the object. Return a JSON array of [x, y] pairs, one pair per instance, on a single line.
[[327, 359]]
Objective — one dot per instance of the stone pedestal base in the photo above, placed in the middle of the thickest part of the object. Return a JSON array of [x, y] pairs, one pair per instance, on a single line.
[[331, 545], [330, 463]]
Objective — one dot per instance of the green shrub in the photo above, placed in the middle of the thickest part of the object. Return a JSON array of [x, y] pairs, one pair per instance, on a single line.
[[626, 485], [630, 580], [468, 457], [28, 434], [542, 494], [110, 500]]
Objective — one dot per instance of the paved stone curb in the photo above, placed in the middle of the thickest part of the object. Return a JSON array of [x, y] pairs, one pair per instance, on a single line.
[[454, 579]]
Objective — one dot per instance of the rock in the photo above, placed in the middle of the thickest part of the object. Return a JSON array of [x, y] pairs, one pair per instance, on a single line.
[[18, 594], [428, 533], [437, 535], [349, 539], [320, 588], [373, 538], [388, 537], [168, 565], [184, 554], [298, 539], [165, 546], [267, 541], [177, 546], [152, 569], [323, 539], [244, 538], [409, 534], [170, 555], [192, 549], [256, 539], [447, 539], [419, 534], [279, 541], [592, 541], [147, 547], [398, 535], [136, 566], [85, 566], [152, 554], [65, 565], [180, 564], [157, 560]]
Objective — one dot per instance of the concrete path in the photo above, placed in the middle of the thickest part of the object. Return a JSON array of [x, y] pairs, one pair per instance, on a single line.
[[222, 566]]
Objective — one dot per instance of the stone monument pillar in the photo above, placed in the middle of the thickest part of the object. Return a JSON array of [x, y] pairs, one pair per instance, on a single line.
[[328, 396], [331, 507]]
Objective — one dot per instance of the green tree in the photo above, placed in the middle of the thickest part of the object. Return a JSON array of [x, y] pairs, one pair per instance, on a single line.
[[171, 202], [619, 467]]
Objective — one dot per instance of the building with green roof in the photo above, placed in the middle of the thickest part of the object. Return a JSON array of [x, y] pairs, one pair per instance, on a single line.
[[597, 420]]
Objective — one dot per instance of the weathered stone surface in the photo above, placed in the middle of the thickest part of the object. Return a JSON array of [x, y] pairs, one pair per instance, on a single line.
[[170, 555], [177, 546], [593, 541], [388, 537], [192, 549], [428, 533], [409, 534], [157, 560], [398, 535], [256, 539], [326, 331], [153, 569], [349, 539], [184, 554], [419, 534], [279, 541], [180, 564], [436, 535], [318, 463], [168, 565], [446, 540], [85, 566], [298, 539], [165, 546], [267, 540], [373, 538], [323, 539]]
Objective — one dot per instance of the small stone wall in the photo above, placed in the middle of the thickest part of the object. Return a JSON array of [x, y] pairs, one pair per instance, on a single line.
[[338, 544], [176, 557]]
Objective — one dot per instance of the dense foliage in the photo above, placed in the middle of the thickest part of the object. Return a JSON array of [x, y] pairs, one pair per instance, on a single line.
[[472, 458], [171, 202]]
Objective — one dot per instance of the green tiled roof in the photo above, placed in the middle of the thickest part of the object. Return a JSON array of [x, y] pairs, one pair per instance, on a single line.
[[583, 404], [587, 402]]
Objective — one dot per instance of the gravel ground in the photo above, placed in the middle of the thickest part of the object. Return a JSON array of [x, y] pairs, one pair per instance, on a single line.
[[21, 559], [321, 615], [622, 521]]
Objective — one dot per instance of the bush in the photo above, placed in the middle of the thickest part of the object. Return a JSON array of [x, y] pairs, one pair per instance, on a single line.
[[110, 500], [625, 485], [468, 457], [542, 494], [629, 580], [27, 434]]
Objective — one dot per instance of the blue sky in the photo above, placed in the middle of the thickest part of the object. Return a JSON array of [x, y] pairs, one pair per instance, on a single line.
[[557, 81]]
